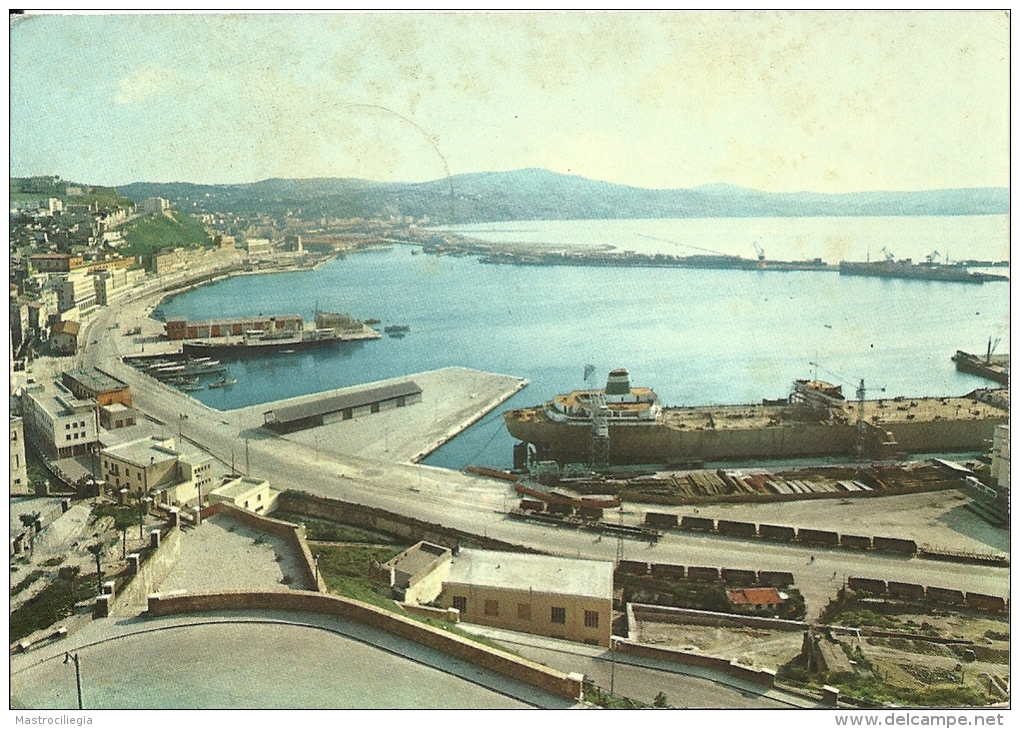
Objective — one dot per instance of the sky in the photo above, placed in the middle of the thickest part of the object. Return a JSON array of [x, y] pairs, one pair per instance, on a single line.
[[776, 101]]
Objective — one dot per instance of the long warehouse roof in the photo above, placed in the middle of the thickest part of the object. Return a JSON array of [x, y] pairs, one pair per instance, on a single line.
[[342, 401]]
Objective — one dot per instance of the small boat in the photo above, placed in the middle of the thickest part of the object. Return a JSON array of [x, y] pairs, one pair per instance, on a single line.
[[397, 328], [287, 351], [193, 388], [225, 382], [372, 322], [396, 335]]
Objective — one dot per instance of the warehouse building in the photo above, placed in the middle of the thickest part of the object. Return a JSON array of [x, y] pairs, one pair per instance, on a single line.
[[343, 406]]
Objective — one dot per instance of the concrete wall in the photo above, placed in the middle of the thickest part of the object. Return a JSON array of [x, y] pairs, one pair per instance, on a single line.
[[761, 676], [151, 574], [554, 682], [687, 616], [429, 587], [367, 517]]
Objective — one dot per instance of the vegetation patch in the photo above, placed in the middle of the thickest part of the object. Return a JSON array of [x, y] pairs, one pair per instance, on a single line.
[[154, 233], [55, 602], [322, 530], [597, 696], [32, 576]]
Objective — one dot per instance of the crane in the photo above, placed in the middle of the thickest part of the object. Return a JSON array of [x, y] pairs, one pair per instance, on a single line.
[[930, 258], [888, 256], [761, 253], [991, 349]]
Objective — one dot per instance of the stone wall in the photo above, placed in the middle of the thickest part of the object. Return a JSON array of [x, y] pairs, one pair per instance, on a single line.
[[761, 676], [151, 573], [687, 616], [554, 682], [408, 528]]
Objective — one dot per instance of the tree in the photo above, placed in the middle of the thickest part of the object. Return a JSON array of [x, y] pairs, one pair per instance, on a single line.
[[29, 521], [660, 701]]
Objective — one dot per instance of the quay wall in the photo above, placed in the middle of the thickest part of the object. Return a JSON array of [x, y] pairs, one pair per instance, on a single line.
[[556, 683]]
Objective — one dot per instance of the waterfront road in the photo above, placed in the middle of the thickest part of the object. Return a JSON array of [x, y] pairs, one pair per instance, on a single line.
[[477, 505]]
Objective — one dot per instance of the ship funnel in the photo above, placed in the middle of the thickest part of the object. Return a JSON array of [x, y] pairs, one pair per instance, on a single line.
[[618, 383]]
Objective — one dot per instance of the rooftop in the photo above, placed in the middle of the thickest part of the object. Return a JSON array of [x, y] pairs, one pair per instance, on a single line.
[[145, 451], [535, 572], [94, 380], [417, 559], [57, 400], [239, 486], [755, 596], [342, 401]]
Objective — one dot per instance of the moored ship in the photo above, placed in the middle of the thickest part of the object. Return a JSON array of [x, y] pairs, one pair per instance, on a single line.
[[623, 425], [907, 269]]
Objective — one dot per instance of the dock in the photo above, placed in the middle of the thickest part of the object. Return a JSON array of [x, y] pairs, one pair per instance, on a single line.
[[450, 400]]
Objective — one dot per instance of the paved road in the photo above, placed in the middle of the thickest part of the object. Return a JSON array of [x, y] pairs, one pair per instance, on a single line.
[[477, 505], [256, 659]]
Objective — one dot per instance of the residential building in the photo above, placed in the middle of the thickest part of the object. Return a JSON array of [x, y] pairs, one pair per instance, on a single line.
[[55, 263], [552, 596], [61, 424], [173, 473], [155, 205], [257, 247], [116, 415], [77, 291], [64, 337], [1000, 457], [19, 472], [252, 494], [757, 599], [20, 324], [98, 386]]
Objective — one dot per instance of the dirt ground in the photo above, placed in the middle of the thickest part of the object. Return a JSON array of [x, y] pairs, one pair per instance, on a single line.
[[755, 647]]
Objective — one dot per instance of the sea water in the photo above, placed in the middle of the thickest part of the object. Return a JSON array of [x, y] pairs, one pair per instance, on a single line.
[[696, 336]]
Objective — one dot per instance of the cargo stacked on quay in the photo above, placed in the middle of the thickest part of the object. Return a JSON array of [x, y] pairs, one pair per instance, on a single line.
[[248, 337], [624, 425]]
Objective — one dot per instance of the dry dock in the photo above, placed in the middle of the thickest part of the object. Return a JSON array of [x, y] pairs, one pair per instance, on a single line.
[[452, 399]]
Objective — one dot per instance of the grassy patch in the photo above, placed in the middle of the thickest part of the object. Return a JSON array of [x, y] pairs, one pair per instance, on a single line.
[[154, 233], [321, 530], [345, 572], [55, 602], [595, 695]]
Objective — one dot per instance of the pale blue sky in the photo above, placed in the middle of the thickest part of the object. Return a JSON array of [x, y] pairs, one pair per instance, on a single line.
[[829, 102]]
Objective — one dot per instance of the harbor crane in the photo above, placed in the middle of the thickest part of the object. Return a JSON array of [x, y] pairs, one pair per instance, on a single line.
[[761, 253], [888, 256], [930, 258]]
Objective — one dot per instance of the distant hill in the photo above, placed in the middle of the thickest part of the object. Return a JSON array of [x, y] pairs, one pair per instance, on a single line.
[[534, 194]]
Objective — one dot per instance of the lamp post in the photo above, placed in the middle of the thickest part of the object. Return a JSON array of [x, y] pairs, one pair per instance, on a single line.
[[97, 550], [612, 671], [77, 673]]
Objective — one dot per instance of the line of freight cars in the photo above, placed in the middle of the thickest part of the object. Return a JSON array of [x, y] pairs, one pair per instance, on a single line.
[[578, 517], [776, 533]]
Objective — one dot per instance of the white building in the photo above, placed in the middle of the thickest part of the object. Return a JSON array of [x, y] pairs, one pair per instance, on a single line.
[[155, 205], [77, 291], [61, 424]]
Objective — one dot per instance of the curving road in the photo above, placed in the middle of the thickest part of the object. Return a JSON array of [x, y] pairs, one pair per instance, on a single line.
[[478, 505]]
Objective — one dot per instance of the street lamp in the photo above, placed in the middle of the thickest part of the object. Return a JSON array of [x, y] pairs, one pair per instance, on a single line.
[[97, 550], [77, 673]]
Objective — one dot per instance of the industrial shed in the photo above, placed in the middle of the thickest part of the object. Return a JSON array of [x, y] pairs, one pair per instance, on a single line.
[[343, 406]]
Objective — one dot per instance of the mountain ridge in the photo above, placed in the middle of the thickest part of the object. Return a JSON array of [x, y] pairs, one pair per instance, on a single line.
[[538, 194]]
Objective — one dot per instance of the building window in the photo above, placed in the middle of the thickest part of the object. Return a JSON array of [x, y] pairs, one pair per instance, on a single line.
[[127, 473], [524, 611], [83, 423], [68, 437], [460, 603], [67, 426], [492, 607], [260, 497], [14, 435], [559, 615], [591, 619]]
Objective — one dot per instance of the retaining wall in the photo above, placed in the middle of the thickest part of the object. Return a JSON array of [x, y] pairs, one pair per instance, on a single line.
[[688, 616], [560, 684], [368, 517], [151, 574], [762, 677]]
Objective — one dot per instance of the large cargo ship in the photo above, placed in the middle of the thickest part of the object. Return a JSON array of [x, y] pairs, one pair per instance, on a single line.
[[257, 343], [927, 271], [624, 425]]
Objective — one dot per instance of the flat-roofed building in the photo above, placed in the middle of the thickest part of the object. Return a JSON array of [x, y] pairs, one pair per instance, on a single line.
[[77, 291], [172, 472], [64, 337], [99, 386], [55, 262], [552, 596], [417, 574], [19, 472], [252, 494], [116, 415], [61, 424]]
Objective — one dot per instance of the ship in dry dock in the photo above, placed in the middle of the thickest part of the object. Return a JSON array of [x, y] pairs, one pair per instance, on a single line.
[[627, 425]]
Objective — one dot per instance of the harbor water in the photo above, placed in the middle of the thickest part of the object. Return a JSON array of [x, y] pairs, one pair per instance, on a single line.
[[695, 336]]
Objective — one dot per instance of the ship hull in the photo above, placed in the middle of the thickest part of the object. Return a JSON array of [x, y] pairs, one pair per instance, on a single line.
[[660, 444], [240, 350]]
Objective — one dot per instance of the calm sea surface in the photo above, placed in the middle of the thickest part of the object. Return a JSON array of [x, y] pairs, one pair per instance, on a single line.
[[696, 337]]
